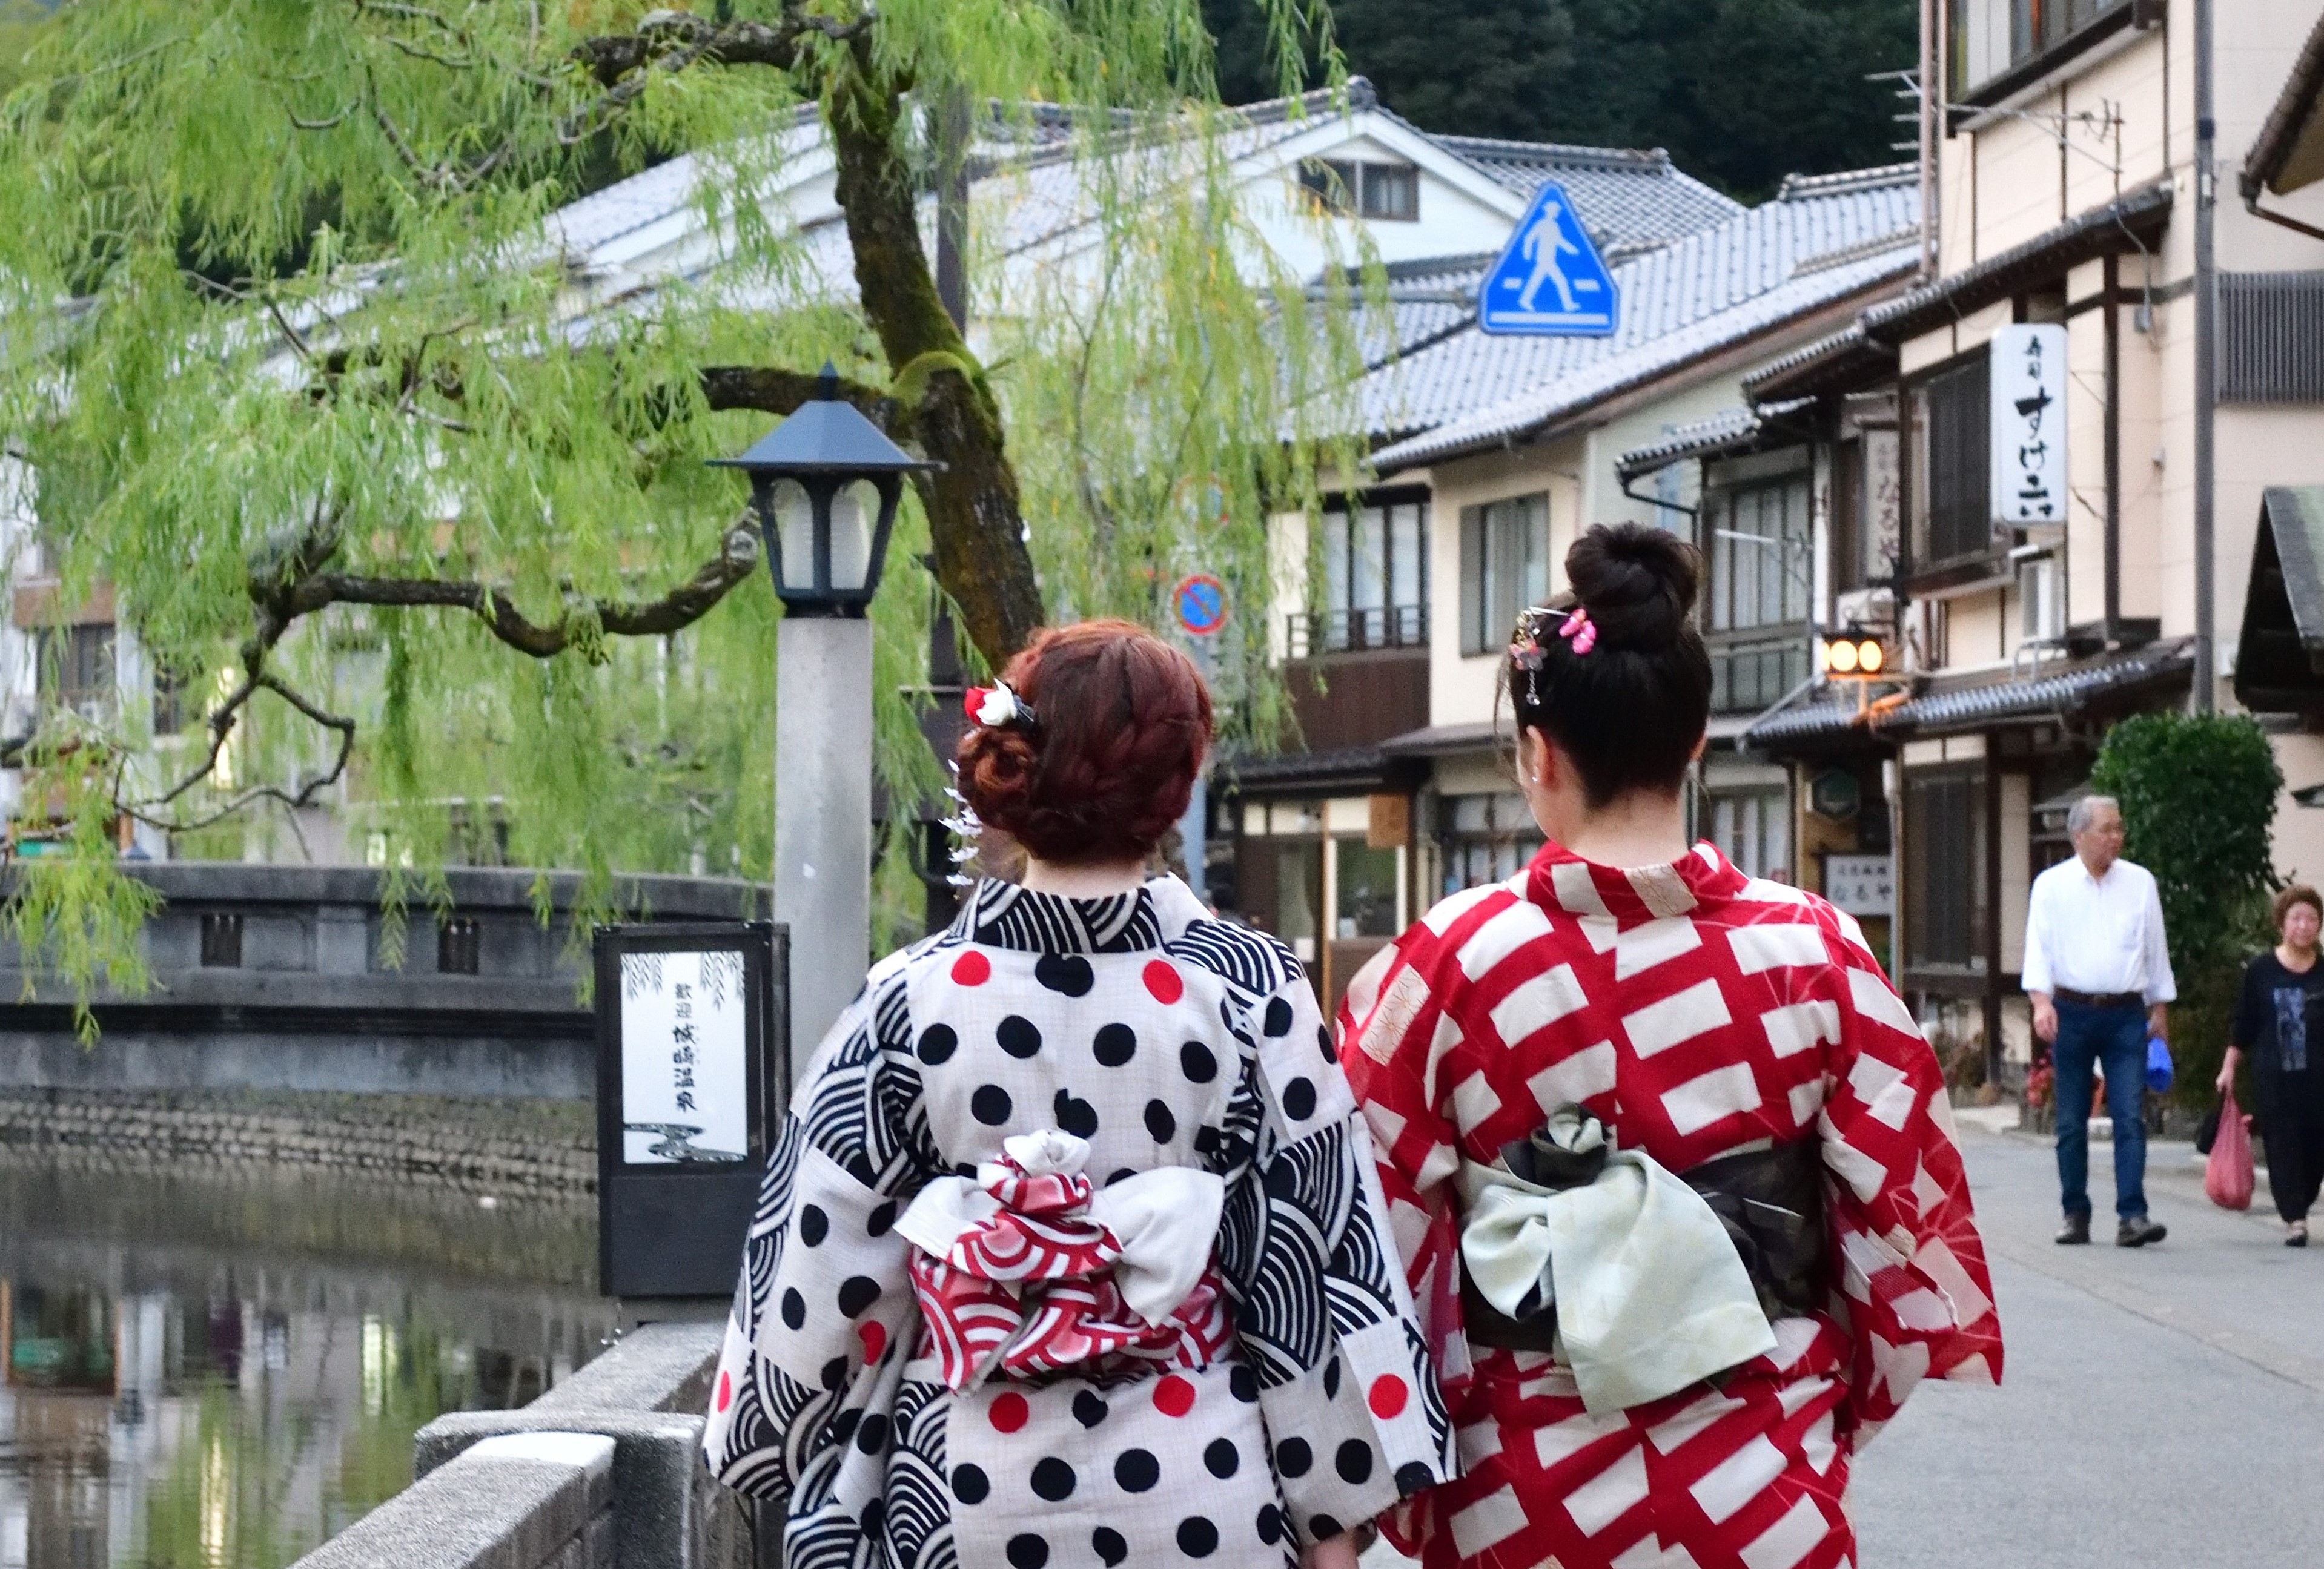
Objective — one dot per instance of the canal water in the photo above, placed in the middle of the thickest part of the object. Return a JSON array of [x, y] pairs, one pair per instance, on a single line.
[[220, 1372]]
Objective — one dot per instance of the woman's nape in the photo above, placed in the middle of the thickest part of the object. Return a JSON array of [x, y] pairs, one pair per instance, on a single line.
[[1639, 827], [1084, 878]]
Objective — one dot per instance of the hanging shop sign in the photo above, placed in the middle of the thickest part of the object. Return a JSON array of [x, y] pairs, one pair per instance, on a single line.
[[2028, 431]]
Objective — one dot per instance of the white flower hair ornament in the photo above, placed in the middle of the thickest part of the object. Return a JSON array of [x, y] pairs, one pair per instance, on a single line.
[[994, 706]]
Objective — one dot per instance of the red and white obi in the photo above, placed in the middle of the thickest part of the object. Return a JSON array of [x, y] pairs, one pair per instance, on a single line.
[[1028, 1268]]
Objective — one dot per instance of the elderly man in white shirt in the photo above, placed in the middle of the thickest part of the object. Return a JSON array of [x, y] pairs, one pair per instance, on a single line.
[[2099, 976]]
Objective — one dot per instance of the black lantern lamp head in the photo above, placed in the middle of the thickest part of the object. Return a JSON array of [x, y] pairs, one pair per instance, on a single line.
[[824, 484]]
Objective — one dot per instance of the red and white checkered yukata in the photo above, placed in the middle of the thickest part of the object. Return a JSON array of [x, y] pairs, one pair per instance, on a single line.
[[1699, 1015]]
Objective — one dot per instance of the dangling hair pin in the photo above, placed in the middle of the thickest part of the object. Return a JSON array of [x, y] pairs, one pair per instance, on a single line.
[[1526, 649], [995, 705]]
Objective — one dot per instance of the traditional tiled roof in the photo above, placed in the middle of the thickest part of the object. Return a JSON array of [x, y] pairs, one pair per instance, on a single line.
[[1728, 433], [1843, 361], [1721, 286], [1625, 198], [1946, 704]]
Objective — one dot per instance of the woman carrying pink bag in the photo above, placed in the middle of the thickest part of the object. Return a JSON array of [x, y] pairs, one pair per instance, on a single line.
[[2280, 1021]]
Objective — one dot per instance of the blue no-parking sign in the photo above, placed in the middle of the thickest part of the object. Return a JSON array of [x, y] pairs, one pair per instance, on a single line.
[[1550, 281], [1200, 603]]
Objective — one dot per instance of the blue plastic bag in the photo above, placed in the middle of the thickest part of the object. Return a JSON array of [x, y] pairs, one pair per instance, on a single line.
[[2158, 1065]]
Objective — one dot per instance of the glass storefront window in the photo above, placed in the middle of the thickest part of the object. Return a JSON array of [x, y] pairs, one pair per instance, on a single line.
[[1487, 838], [1753, 828], [1364, 905]]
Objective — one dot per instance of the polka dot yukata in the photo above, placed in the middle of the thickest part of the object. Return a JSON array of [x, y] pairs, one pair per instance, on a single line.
[[1700, 1014], [932, 1356]]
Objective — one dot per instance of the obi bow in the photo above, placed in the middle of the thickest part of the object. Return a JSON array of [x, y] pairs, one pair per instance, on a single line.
[[1032, 1267]]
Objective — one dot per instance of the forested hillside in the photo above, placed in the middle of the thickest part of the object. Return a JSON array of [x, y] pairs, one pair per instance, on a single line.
[[1741, 91]]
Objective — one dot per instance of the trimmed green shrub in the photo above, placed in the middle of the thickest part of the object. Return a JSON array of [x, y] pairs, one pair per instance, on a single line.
[[2197, 794]]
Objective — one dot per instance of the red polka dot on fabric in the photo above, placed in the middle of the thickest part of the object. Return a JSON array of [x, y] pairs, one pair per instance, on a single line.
[[972, 969], [1163, 980], [874, 1337], [1388, 1396], [1009, 1412], [1174, 1396], [725, 1391]]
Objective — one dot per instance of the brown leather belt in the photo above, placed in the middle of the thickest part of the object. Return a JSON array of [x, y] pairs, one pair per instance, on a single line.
[[2099, 999], [1771, 1202]]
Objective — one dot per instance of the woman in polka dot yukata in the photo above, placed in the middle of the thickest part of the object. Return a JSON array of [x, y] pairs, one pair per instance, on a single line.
[[1670, 1166], [1071, 1254]]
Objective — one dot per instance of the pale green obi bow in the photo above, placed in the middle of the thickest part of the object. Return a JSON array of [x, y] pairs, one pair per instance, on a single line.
[[1649, 1292]]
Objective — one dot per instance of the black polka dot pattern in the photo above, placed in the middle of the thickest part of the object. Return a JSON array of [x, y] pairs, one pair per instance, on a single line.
[[1270, 1525], [1159, 1122], [1413, 1477], [1332, 1377], [1053, 1479], [1114, 1045], [1090, 1408], [1068, 973], [856, 1293], [1323, 1528], [1027, 1551], [1197, 1061], [1324, 1043], [1299, 1099], [794, 1308], [938, 1043], [990, 1106], [1353, 1462], [872, 1436], [834, 1376], [970, 1484], [1197, 1537], [1278, 1016], [1107, 1544], [1222, 1459], [1018, 1037], [878, 1222], [1136, 1471], [1243, 1382], [1293, 1458], [813, 1225], [1075, 1115]]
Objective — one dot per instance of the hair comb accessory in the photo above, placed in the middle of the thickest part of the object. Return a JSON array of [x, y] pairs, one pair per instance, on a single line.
[[1580, 629], [996, 705]]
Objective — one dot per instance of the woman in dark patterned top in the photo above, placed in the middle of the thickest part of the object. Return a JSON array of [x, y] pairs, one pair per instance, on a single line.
[[2280, 1020], [1070, 1251]]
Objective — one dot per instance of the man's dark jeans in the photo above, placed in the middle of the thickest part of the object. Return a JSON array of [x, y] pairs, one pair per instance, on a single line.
[[2114, 1040]]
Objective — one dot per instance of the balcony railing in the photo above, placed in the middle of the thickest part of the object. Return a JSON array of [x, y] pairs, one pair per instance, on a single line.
[[1341, 631], [1748, 675]]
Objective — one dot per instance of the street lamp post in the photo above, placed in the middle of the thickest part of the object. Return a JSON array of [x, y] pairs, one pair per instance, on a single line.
[[824, 484]]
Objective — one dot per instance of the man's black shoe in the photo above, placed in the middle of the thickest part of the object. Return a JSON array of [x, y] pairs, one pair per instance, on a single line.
[[2138, 1231], [2076, 1229]]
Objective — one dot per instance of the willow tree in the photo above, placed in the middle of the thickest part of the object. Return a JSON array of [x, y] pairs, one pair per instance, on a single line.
[[401, 514]]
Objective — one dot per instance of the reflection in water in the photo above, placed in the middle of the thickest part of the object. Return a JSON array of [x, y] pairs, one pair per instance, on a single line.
[[219, 1373]]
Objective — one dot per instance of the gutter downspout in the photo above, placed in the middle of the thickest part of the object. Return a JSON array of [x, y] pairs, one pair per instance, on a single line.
[[1929, 85], [2206, 377]]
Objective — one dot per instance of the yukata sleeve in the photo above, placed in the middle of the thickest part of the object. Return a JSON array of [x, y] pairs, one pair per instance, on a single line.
[[1343, 1377], [1393, 1032], [1903, 1237], [824, 1314]]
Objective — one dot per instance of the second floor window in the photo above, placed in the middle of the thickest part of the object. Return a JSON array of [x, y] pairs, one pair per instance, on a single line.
[[1375, 578], [1952, 512], [76, 668], [1375, 191], [1990, 38], [1504, 569]]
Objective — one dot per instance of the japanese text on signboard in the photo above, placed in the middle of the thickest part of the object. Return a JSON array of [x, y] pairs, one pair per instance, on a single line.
[[2028, 429]]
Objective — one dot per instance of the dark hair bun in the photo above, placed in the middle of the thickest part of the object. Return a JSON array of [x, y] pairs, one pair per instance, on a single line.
[[1637, 581]]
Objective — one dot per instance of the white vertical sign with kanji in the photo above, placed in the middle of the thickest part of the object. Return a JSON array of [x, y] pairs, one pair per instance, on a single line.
[[685, 1058], [2028, 431]]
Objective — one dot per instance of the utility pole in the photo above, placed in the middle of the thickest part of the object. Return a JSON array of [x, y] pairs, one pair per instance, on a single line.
[[2207, 367], [943, 723]]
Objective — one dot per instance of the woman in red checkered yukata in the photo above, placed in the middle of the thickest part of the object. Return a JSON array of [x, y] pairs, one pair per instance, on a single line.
[[1671, 1167], [1072, 1253]]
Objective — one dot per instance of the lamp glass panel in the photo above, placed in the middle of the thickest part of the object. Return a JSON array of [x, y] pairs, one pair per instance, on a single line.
[[854, 513], [794, 518]]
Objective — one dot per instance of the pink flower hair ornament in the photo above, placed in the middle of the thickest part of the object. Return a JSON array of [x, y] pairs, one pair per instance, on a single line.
[[1580, 630]]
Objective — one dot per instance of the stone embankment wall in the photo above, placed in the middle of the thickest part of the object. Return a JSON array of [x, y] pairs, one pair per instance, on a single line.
[[287, 1023], [495, 1147], [604, 1469]]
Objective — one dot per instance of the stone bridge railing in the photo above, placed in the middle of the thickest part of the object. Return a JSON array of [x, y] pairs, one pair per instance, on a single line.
[[605, 1470]]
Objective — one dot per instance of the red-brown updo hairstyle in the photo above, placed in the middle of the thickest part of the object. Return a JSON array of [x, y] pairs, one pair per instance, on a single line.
[[1120, 724]]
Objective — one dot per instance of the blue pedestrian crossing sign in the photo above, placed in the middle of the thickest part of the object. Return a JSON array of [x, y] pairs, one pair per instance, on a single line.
[[1549, 282]]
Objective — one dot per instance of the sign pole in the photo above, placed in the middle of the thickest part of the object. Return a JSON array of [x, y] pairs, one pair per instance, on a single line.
[[1200, 603], [823, 814]]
